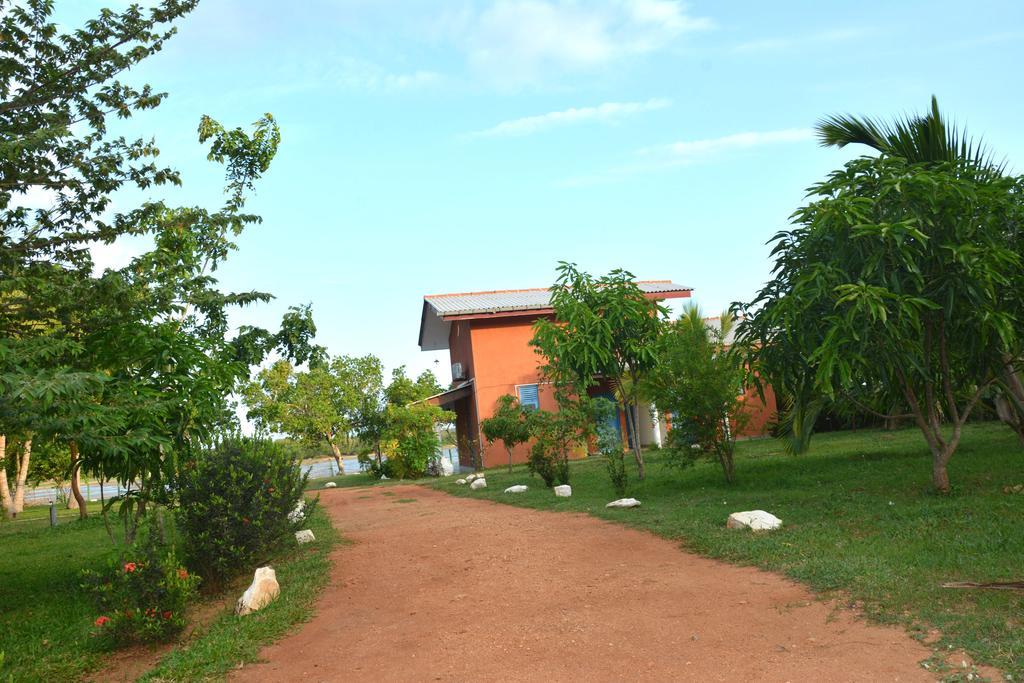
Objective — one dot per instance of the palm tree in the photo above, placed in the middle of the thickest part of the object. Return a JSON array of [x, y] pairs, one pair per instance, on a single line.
[[916, 138]]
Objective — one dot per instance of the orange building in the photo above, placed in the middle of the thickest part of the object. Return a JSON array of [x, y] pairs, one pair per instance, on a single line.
[[488, 338]]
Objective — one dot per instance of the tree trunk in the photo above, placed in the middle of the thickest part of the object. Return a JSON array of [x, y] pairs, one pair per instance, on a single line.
[[19, 484], [632, 426], [337, 456], [5, 491], [940, 477], [1010, 405], [76, 491], [509, 459]]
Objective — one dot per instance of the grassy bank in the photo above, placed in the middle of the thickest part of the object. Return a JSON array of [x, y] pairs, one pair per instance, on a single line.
[[46, 619], [860, 521]]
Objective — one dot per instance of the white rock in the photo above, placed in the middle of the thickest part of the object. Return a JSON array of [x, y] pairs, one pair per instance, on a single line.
[[624, 503], [299, 512], [758, 520], [330, 485], [471, 477], [383, 476], [263, 590], [305, 536], [563, 491], [518, 488], [446, 468], [480, 483], [461, 482]]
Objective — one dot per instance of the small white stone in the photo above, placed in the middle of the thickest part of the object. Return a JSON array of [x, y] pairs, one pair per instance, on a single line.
[[330, 485], [518, 488], [473, 476], [305, 536], [383, 476], [758, 520], [563, 491], [624, 503], [480, 483], [260, 593], [461, 482]]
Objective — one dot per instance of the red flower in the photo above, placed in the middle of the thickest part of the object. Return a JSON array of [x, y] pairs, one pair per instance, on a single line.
[[167, 615], [102, 620], [182, 574], [270, 490], [129, 567]]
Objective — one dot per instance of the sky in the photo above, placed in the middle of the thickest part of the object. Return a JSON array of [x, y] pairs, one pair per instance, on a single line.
[[432, 147]]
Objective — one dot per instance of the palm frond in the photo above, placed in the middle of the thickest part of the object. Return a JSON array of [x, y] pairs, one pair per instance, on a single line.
[[916, 138]]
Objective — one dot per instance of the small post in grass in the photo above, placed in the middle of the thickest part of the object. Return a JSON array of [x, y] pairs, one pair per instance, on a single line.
[[53, 514]]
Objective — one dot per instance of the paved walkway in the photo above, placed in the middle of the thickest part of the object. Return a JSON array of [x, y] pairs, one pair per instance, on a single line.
[[453, 589]]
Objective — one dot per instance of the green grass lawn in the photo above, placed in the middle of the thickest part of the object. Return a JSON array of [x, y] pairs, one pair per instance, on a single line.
[[860, 522], [45, 618]]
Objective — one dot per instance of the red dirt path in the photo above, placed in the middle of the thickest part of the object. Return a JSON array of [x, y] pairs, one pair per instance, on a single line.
[[454, 589]]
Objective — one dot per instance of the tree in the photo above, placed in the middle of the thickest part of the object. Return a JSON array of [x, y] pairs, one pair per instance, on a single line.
[[603, 327], [14, 500], [508, 424], [928, 139], [134, 366], [403, 390], [699, 380], [891, 290], [314, 406], [368, 417]]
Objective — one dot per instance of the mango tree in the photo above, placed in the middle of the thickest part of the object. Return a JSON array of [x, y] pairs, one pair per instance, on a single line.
[[603, 327], [892, 290]]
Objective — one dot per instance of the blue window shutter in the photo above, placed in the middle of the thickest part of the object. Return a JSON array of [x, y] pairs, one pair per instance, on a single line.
[[529, 396]]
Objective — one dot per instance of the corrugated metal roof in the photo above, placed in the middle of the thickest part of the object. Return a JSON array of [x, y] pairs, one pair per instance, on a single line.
[[468, 303]]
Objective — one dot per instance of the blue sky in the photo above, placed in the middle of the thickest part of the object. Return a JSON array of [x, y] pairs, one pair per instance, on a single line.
[[432, 147]]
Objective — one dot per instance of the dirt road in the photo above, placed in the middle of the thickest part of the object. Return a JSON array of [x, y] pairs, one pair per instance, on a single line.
[[449, 589]]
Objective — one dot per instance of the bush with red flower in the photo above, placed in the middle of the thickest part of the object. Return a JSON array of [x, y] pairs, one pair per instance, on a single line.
[[143, 597]]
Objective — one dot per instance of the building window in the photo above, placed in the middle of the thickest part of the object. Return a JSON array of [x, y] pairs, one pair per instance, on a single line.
[[529, 397]]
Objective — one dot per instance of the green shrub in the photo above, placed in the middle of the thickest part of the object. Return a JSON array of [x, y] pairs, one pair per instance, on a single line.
[[555, 435], [234, 507], [412, 439], [142, 597], [549, 464], [375, 468]]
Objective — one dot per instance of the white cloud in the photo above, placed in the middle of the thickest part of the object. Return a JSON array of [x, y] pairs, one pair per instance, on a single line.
[[608, 111], [343, 72], [516, 42], [692, 150], [828, 37], [119, 253], [354, 73], [688, 152]]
